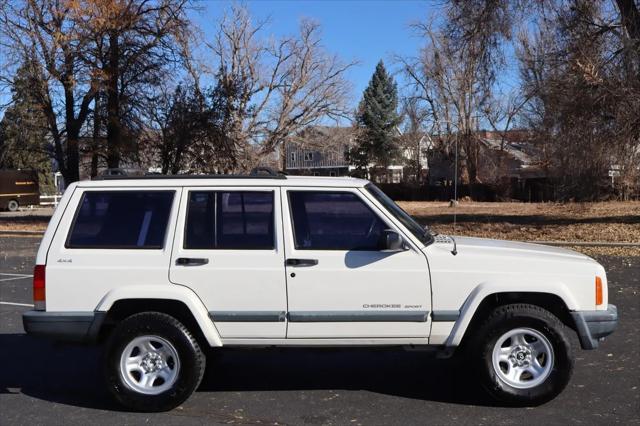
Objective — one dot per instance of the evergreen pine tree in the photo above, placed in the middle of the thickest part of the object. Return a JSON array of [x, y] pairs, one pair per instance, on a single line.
[[23, 129], [376, 118]]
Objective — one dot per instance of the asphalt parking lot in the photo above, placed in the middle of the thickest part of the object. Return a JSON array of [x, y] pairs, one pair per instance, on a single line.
[[47, 383]]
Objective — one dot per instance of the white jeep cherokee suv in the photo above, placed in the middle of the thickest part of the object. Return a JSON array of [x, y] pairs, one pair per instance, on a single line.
[[161, 268]]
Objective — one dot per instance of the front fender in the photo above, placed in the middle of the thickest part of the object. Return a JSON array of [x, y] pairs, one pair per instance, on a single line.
[[166, 292], [483, 290]]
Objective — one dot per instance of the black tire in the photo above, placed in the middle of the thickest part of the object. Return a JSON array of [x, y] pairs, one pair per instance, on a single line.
[[521, 316], [13, 205], [191, 361]]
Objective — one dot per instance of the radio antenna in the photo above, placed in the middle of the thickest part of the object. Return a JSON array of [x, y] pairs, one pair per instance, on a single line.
[[455, 188]]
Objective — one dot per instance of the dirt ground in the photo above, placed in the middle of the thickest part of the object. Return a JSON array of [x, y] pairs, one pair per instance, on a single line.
[[35, 219], [601, 222]]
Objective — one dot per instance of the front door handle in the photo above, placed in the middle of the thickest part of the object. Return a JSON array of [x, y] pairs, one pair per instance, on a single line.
[[191, 261], [302, 262]]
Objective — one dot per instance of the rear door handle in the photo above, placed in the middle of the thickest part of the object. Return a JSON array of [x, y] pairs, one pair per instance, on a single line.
[[191, 261], [302, 262]]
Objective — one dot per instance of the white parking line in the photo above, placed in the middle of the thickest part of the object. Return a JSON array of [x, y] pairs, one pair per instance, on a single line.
[[16, 275], [13, 278], [17, 304]]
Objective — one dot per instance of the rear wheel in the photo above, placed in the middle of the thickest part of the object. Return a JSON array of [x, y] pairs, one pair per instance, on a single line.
[[522, 355], [153, 362], [13, 205]]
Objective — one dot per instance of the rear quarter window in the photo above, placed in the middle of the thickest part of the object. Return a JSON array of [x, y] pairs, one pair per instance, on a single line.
[[121, 220]]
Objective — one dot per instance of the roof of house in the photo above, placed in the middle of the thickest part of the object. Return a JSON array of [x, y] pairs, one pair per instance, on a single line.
[[525, 153]]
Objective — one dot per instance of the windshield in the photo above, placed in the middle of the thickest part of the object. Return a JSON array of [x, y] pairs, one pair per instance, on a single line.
[[414, 227]]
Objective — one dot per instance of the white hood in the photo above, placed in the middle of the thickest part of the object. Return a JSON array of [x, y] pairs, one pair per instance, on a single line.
[[508, 247]]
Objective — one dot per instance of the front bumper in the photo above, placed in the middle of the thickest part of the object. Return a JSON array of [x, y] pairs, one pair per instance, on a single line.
[[66, 326], [594, 326]]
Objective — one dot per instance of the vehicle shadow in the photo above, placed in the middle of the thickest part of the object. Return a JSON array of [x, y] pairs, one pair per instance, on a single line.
[[60, 373], [389, 371], [72, 375]]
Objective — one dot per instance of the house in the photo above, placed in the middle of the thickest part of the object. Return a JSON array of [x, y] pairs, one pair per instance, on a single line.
[[319, 151], [500, 156], [323, 151]]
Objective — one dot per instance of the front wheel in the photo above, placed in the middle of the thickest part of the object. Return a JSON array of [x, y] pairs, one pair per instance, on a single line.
[[522, 355], [153, 363]]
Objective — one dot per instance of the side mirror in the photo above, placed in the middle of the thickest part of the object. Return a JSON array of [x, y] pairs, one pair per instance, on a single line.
[[392, 241]]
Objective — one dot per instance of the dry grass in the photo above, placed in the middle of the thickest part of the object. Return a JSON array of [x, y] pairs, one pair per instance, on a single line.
[[35, 220], [606, 222], [11, 225]]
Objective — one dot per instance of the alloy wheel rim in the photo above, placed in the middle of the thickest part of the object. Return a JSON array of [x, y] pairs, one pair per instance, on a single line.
[[149, 365], [523, 358]]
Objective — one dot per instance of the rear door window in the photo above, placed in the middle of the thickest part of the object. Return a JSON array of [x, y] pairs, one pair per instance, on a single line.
[[230, 220], [121, 220]]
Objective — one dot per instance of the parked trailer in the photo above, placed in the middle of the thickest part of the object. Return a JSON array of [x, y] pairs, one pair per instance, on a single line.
[[18, 188]]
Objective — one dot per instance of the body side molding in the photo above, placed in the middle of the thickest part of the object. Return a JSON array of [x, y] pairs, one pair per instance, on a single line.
[[358, 316], [442, 316], [247, 316]]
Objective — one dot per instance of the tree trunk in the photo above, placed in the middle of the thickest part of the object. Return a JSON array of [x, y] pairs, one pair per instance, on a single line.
[[630, 17], [283, 156], [114, 128], [96, 136], [471, 158], [177, 159], [71, 172]]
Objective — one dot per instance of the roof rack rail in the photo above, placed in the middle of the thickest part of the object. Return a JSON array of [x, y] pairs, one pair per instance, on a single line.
[[257, 173]]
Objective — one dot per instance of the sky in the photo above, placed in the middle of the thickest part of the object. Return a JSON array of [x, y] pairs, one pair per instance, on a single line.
[[366, 31], [362, 30]]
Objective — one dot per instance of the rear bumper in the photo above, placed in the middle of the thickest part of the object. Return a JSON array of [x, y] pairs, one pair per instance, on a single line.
[[66, 326], [594, 326]]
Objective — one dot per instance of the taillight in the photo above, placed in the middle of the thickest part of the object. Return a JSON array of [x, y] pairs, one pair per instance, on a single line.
[[39, 283], [599, 295]]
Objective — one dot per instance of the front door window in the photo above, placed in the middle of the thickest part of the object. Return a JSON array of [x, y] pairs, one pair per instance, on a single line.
[[334, 221]]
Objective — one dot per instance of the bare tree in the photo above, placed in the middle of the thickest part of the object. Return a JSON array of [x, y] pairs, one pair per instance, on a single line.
[[413, 138], [455, 73], [95, 55], [137, 43], [581, 69], [275, 88], [45, 32], [452, 85]]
